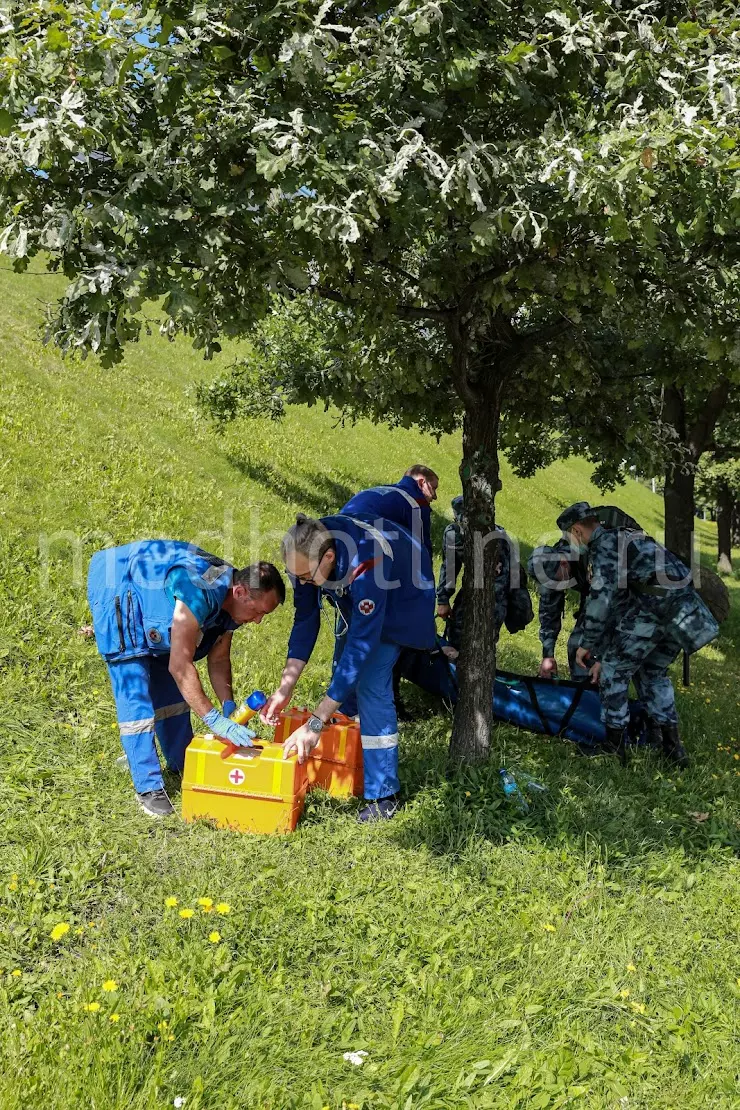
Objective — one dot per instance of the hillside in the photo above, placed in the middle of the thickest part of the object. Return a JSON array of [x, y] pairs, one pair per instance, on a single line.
[[587, 953]]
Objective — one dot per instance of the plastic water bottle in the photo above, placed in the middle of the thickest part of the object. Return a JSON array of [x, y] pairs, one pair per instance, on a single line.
[[252, 705], [512, 791]]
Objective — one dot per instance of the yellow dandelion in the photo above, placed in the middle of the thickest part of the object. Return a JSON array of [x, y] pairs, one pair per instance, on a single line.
[[638, 1007], [114, 1018], [17, 973], [631, 967], [707, 700], [170, 902], [110, 985], [206, 904], [549, 928], [162, 1026], [171, 1037], [223, 908], [625, 993], [92, 1007], [185, 914], [214, 937], [59, 930], [12, 886], [467, 793], [14, 878]]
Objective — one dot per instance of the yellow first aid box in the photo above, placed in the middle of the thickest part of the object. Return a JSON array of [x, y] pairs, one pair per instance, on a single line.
[[252, 790]]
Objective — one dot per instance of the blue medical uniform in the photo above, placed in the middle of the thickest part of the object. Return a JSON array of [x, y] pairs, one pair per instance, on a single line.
[[132, 591], [401, 503], [380, 599]]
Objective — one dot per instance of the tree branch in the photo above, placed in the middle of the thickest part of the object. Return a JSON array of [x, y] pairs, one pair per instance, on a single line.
[[403, 311]]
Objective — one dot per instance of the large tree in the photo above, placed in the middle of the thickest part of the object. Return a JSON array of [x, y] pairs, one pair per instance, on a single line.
[[469, 184]]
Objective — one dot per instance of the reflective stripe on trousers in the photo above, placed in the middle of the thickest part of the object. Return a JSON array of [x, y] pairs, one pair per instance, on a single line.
[[149, 703], [378, 722]]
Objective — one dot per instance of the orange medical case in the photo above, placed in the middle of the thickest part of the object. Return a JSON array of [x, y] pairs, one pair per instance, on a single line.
[[252, 790], [336, 763]]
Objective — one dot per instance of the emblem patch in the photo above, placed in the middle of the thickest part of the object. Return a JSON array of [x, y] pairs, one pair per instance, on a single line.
[[366, 606], [154, 636]]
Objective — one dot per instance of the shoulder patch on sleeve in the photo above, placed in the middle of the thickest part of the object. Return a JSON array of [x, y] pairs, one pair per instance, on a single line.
[[366, 606]]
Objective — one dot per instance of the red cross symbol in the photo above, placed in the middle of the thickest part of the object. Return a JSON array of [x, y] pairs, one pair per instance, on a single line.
[[366, 606], [236, 776]]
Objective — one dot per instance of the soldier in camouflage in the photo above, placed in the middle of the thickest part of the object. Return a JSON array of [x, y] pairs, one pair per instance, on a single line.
[[642, 610], [557, 569], [452, 562]]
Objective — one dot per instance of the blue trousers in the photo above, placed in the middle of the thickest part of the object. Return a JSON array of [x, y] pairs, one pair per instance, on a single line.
[[349, 705], [378, 722], [149, 704]]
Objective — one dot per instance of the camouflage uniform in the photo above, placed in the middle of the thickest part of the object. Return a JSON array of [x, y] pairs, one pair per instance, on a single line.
[[544, 563], [452, 563], [641, 612]]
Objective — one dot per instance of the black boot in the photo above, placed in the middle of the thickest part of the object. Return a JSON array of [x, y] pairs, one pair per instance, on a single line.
[[654, 733], [671, 746], [615, 744]]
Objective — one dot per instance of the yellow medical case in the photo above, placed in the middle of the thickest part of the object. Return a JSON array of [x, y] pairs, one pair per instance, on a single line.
[[252, 790], [336, 763]]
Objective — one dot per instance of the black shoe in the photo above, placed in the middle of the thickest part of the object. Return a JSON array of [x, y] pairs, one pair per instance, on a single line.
[[672, 748], [382, 809], [654, 733], [615, 744], [155, 803]]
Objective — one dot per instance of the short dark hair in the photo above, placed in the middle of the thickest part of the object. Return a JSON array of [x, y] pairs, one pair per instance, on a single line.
[[260, 578], [419, 471]]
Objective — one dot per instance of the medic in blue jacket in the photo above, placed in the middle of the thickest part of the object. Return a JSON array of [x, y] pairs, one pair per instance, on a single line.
[[363, 577], [407, 503], [157, 607]]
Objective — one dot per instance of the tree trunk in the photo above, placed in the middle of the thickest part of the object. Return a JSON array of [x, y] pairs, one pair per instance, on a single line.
[[678, 494], [736, 525], [479, 472], [678, 499], [725, 505]]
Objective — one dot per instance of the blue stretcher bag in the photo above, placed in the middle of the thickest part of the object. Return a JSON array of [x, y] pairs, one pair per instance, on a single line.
[[571, 710]]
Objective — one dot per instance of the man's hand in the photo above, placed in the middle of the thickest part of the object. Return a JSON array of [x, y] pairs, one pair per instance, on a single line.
[[548, 668], [595, 673], [583, 656], [451, 652], [303, 741], [274, 706], [443, 611], [225, 729]]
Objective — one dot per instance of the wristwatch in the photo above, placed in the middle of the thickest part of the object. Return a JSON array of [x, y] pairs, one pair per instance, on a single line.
[[315, 724]]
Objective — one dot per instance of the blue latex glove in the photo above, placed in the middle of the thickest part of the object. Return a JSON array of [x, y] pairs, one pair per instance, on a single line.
[[228, 708], [236, 734]]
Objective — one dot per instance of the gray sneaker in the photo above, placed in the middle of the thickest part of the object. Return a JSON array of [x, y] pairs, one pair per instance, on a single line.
[[155, 803]]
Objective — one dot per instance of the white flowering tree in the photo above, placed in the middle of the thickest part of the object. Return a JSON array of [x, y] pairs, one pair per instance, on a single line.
[[469, 185]]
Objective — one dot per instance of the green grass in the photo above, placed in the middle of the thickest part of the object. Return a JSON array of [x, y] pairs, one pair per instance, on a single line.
[[481, 959]]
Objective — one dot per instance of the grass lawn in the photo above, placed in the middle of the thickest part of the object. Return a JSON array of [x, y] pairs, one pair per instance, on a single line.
[[585, 955]]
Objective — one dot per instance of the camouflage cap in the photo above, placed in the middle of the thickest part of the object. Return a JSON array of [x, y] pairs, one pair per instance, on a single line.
[[457, 504], [581, 510]]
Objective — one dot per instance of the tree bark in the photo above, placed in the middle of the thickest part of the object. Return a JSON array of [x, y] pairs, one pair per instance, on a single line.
[[695, 438], [725, 506], [678, 499], [481, 391], [479, 472]]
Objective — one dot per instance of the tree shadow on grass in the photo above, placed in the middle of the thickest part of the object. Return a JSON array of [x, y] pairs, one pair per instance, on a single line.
[[318, 494]]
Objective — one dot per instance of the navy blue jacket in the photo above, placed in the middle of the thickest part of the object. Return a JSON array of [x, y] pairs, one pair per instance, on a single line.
[[382, 589], [132, 614], [402, 503]]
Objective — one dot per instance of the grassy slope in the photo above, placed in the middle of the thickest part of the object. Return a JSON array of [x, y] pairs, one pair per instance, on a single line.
[[428, 942]]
